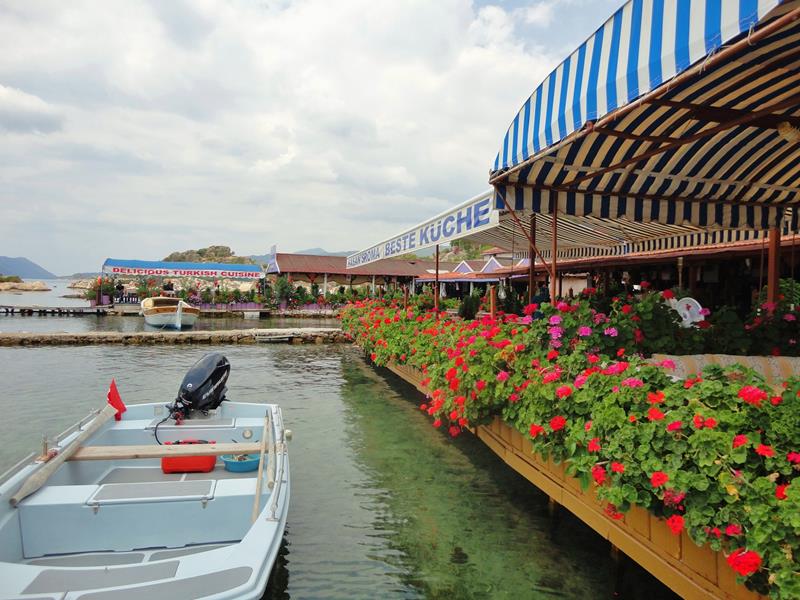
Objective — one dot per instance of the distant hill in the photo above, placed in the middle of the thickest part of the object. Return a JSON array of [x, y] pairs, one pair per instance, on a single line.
[[27, 269], [321, 252], [217, 254], [263, 259]]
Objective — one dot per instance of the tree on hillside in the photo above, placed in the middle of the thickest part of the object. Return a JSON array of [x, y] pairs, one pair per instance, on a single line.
[[221, 254]]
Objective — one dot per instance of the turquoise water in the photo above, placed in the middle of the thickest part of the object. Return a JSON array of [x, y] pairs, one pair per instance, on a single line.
[[132, 323], [383, 505]]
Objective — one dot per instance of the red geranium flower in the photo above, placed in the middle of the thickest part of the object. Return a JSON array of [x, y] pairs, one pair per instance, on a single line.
[[793, 457], [658, 478], [655, 397], [675, 426], [733, 530], [752, 395], [594, 445], [675, 524], [780, 491], [617, 467], [480, 385], [599, 474], [764, 450], [563, 391], [744, 562], [739, 440], [552, 355], [611, 511], [667, 294], [557, 423], [654, 414], [535, 430]]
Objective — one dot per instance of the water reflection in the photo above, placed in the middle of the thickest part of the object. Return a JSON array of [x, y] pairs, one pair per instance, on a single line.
[[383, 505]]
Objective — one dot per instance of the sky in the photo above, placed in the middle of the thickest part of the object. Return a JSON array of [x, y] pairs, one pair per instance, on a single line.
[[132, 129]]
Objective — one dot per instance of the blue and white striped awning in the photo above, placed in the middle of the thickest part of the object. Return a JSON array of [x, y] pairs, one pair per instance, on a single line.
[[674, 111]]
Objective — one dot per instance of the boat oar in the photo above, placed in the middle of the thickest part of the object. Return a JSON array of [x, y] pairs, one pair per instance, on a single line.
[[260, 480], [40, 477]]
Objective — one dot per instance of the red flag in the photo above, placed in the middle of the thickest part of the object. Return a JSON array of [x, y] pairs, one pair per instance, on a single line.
[[115, 400]]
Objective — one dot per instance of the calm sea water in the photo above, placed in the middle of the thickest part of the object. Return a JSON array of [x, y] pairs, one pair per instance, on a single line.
[[383, 505]]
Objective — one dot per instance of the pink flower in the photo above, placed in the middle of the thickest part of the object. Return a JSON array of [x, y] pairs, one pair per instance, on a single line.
[[584, 331], [611, 331], [789, 317], [705, 311], [632, 382], [667, 364], [554, 320], [502, 376], [580, 380]]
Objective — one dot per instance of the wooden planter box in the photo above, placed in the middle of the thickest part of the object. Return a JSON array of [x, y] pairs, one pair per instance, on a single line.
[[690, 571]]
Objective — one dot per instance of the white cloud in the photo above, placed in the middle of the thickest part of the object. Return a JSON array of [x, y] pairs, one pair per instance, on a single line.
[[26, 113], [310, 123], [539, 13]]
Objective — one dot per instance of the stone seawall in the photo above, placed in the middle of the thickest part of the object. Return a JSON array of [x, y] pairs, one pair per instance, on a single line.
[[310, 335]]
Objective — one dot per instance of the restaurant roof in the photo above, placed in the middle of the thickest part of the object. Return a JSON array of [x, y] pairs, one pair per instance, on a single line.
[[337, 265]]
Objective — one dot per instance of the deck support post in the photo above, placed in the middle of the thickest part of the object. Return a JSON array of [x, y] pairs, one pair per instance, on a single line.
[[325, 285], [774, 265], [553, 260], [436, 283], [531, 261], [492, 301]]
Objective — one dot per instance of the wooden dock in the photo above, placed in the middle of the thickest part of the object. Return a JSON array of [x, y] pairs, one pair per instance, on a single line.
[[297, 335], [66, 311]]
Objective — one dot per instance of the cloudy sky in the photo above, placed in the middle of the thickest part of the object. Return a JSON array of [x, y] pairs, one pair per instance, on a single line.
[[133, 129]]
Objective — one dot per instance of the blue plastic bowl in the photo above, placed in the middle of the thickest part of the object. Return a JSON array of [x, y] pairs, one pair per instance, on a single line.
[[240, 466]]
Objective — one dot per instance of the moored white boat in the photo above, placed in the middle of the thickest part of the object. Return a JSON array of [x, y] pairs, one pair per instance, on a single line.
[[165, 311], [109, 523]]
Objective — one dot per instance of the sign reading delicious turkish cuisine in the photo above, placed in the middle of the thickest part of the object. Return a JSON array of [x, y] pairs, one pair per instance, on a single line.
[[472, 216], [144, 268]]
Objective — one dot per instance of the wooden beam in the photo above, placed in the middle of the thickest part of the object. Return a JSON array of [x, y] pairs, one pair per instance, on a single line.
[[554, 255], [156, 451], [531, 259], [744, 119], [676, 177]]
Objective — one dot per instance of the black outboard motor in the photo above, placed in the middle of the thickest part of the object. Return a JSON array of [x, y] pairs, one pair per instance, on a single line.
[[203, 387]]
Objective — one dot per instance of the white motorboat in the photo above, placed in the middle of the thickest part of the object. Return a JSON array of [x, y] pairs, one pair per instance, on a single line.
[[166, 311], [108, 522]]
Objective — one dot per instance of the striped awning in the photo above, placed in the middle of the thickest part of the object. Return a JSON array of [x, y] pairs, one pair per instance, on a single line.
[[679, 112]]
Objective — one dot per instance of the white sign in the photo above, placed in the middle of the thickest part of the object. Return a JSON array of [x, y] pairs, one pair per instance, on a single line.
[[470, 217]]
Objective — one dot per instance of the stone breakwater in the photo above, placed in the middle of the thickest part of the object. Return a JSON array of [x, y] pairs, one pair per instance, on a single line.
[[310, 335]]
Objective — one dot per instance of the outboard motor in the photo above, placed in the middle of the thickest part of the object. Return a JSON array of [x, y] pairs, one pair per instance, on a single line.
[[203, 387]]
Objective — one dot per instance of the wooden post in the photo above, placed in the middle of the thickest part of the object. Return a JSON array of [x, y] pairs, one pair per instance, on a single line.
[[436, 283], [325, 286], [553, 261], [774, 265], [373, 286], [492, 301], [680, 272], [531, 259], [405, 296]]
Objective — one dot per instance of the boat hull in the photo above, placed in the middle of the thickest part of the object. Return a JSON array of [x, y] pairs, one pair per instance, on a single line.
[[165, 312], [196, 547]]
